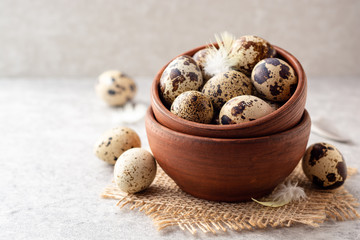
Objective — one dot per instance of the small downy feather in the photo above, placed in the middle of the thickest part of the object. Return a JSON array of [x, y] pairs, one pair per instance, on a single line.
[[130, 113], [224, 58], [284, 194]]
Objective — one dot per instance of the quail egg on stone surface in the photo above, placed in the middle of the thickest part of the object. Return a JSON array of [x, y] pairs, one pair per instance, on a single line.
[[135, 170], [224, 86], [114, 142], [115, 88], [324, 165], [243, 109], [274, 79], [181, 75], [200, 58], [193, 106], [251, 49]]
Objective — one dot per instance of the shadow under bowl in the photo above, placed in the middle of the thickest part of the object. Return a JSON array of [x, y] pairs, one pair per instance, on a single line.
[[286, 117], [228, 170]]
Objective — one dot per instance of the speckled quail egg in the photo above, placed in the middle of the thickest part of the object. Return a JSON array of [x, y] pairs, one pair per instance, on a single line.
[[243, 109], [200, 58], [135, 170], [193, 106], [114, 142], [274, 79], [224, 86], [181, 75], [324, 165], [251, 50], [115, 88]]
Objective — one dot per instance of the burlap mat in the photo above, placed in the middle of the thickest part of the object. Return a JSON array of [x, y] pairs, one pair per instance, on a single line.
[[168, 205]]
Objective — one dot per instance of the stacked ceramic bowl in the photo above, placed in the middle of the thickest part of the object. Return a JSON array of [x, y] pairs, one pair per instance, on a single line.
[[233, 162]]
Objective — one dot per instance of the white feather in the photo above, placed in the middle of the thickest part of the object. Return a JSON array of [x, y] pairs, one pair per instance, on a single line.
[[221, 59], [130, 113], [284, 194], [288, 192]]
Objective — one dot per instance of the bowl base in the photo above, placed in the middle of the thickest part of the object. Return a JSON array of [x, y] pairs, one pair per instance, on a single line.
[[232, 199]]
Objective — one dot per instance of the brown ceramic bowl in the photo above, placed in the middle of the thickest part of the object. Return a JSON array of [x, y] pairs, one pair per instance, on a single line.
[[227, 169], [286, 117]]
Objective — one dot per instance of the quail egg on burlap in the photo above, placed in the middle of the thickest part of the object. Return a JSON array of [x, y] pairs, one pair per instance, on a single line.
[[243, 109], [115, 88], [193, 106], [181, 75], [135, 170], [251, 50], [274, 79], [324, 165], [224, 86], [200, 58], [114, 142]]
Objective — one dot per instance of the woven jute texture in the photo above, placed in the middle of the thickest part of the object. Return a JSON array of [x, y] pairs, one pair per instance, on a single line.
[[168, 205]]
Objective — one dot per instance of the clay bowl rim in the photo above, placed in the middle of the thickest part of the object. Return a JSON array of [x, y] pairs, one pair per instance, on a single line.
[[302, 82], [305, 118]]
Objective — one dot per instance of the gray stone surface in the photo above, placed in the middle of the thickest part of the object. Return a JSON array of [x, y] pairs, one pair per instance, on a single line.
[[51, 181]]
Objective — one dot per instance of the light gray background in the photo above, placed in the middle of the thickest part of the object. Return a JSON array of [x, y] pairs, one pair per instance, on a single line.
[[41, 38], [50, 55]]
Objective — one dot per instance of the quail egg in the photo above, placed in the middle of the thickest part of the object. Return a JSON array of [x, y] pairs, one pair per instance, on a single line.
[[114, 142], [251, 50], [135, 170], [200, 58], [193, 106], [274, 79], [181, 75], [224, 86], [324, 165], [243, 109], [115, 88]]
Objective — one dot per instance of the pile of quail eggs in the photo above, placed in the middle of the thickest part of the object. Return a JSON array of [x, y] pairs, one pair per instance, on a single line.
[[254, 86], [135, 167]]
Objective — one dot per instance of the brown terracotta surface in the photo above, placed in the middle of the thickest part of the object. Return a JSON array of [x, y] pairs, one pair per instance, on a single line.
[[227, 169], [282, 119]]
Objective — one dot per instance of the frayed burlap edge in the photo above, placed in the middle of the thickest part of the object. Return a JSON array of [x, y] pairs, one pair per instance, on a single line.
[[168, 205]]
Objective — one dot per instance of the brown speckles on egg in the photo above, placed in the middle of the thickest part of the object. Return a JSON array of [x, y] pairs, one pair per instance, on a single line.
[[193, 76], [324, 165], [284, 71], [318, 151], [115, 88], [275, 90], [242, 109], [135, 170], [273, 61], [224, 120], [174, 73], [181, 75], [193, 106], [114, 142], [251, 50], [238, 108], [274, 79], [341, 169], [224, 86], [331, 177], [262, 74], [111, 92]]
